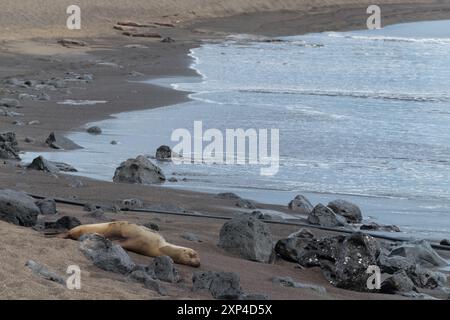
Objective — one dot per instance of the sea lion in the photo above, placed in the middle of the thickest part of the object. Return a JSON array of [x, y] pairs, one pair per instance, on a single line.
[[138, 239]]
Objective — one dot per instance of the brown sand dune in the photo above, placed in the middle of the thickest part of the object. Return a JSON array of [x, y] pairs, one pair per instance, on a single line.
[[47, 18]]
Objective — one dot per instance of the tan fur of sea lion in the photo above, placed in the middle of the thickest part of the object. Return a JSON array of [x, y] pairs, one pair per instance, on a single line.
[[138, 239]]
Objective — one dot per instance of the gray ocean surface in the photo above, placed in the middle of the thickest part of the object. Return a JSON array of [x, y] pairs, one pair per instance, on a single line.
[[363, 116]]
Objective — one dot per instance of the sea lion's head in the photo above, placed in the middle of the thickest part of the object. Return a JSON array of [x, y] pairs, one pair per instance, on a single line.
[[189, 257], [75, 233]]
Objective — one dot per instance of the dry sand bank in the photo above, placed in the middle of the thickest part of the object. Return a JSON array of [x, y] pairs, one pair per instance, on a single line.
[[47, 18]]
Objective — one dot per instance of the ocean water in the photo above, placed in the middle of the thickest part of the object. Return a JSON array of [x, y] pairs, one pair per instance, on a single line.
[[363, 116]]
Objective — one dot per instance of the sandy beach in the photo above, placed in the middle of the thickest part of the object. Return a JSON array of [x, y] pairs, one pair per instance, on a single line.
[[29, 49]]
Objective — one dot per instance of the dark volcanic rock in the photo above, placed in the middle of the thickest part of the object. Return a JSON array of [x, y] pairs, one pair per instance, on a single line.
[[131, 204], [399, 282], [64, 167], [167, 40], [353, 256], [343, 259], [163, 153], [392, 264], [150, 283], [325, 217], [351, 212], [41, 164], [45, 273], [94, 130], [372, 226], [18, 208], [164, 269], [151, 226], [425, 278], [57, 141], [105, 254], [445, 242], [9, 146], [300, 204], [421, 252], [65, 222], [228, 196], [221, 285], [247, 237], [244, 203], [47, 206], [140, 171]]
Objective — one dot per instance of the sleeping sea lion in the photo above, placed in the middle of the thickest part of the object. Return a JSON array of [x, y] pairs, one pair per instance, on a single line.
[[138, 239]]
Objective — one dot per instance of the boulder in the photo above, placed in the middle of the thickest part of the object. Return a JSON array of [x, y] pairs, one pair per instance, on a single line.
[[248, 238], [325, 217], [18, 208], [421, 252], [65, 222], [41, 164], [399, 282], [105, 254], [353, 254], [47, 206], [221, 285], [9, 146], [140, 171], [163, 153], [350, 211], [57, 141], [44, 272], [95, 130], [164, 269], [304, 251], [343, 259], [392, 264], [445, 242], [9, 103], [301, 205], [146, 279], [428, 279], [244, 203]]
